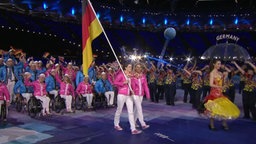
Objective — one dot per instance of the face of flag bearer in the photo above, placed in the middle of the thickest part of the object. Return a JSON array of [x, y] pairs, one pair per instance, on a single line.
[[128, 68]]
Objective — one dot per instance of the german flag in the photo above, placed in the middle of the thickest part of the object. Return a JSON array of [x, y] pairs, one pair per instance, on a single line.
[[90, 30]]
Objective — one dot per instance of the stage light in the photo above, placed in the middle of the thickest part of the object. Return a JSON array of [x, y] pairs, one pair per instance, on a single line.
[[73, 11], [143, 20], [188, 59], [121, 18], [236, 21], [188, 22], [203, 57], [165, 21], [171, 59], [211, 21], [98, 15], [44, 6], [133, 57]]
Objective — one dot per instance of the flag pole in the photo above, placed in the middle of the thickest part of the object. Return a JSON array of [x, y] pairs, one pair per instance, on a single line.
[[112, 49]]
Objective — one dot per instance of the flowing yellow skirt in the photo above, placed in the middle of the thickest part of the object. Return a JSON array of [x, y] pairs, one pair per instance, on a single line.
[[221, 108]]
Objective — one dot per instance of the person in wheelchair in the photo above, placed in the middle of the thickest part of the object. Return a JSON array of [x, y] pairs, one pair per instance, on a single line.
[[84, 89], [40, 92], [103, 87], [22, 92], [66, 91], [4, 97], [51, 84], [21, 89]]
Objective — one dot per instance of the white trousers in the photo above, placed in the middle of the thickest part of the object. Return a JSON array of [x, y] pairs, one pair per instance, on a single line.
[[10, 86], [89, 98], [53, 92], [26, 96], [46, 101], [68, 101], [121, 99], [110, 97], [138, 114]]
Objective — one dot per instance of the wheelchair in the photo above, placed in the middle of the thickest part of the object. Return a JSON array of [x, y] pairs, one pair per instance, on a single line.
[[99, 101], [51, 103], [3, 112], [81, 103], [34, 107], [58, 104], [20, 103]]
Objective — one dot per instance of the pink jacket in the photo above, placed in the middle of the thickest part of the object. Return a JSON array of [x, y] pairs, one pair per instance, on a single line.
[[119, 82], [65, 88], [84, 88], [39, 88], [140, 86], [4, 93], [70, 72], [111, 78], [48, 71]]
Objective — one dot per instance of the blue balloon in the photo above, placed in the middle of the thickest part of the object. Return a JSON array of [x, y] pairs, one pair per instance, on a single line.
[[169, 33]]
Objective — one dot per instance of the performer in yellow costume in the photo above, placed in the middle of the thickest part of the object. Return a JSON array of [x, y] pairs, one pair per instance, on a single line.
[[218, 106]]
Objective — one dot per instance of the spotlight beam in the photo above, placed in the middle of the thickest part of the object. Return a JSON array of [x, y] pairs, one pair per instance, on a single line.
[[165, 62]]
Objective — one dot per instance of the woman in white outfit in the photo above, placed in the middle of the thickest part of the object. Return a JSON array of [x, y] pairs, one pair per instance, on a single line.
[[140, 88]]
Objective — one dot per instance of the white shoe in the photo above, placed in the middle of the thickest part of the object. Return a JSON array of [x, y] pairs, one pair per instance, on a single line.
[[145, 126], [134, 132], [118, 128]]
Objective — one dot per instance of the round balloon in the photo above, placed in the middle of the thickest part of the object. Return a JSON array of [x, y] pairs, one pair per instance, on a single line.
[[169, 33]]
